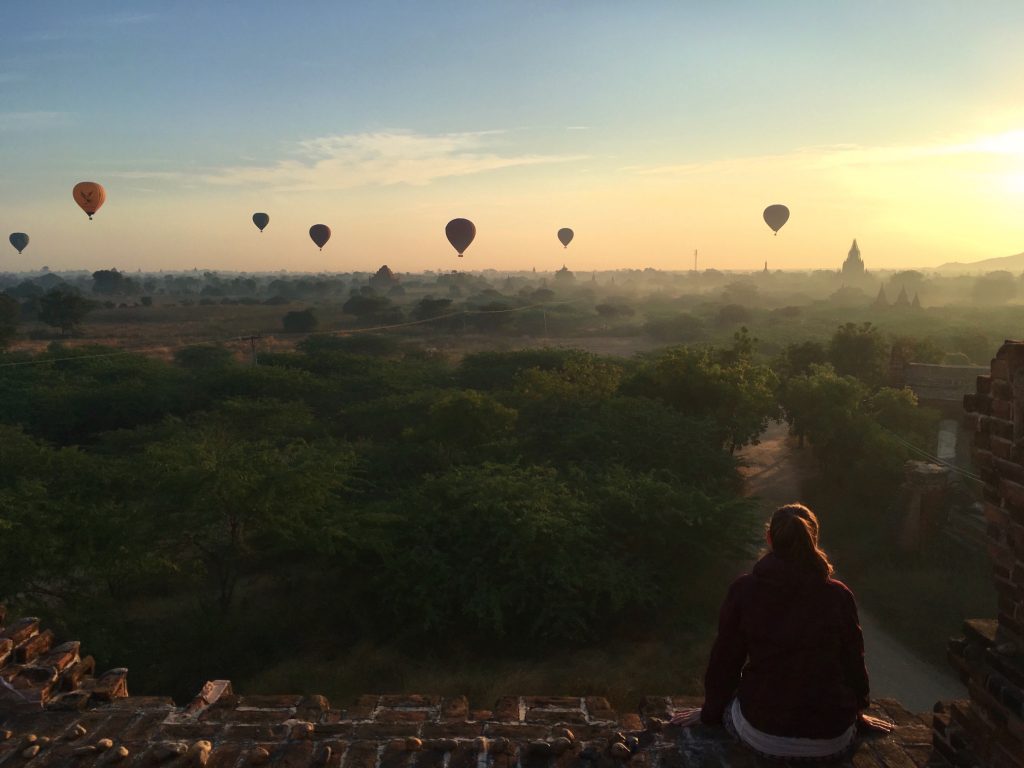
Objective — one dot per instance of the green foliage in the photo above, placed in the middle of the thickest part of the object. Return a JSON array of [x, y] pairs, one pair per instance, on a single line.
[[299, 321], [372, 490], [797, 359], [858, 436], [372, 308], [582, 378], [203, 357], [63, 308], [682, 327], [223, 500], [10, 312], [497, 370], [860, 351], [110, 282], [740, 397]]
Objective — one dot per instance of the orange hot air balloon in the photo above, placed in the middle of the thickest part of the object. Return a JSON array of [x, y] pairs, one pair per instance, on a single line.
[[90, 196], [320, 234], [460, 233], [775, 216]]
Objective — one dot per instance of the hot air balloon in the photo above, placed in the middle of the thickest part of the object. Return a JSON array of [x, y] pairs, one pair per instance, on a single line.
[[260, 220], [565, 236], [19, 240], [320, 234], [90, 196], [775, 216], [460, 233]]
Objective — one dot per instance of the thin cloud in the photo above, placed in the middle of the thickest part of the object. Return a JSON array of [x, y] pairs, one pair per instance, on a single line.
[[1007, 143], [380, 159], [160, 175], [125, 19], [20, 121]]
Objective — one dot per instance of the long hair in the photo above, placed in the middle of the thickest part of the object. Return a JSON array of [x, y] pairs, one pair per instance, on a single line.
[[794, 533]]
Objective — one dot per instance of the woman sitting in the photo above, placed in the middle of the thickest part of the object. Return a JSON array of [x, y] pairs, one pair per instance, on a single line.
[[786, 675]]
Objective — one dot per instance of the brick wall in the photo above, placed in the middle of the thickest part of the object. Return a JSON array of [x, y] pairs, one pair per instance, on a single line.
[[988, 730]]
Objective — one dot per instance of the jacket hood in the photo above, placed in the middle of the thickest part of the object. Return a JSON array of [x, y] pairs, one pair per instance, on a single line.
[[773, 570]]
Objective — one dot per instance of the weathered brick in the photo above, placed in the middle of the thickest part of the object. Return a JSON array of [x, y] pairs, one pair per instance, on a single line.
[[1002, 409], [1001, 389], [1001, 448], [1012, 492], [459, 730], [552, 702], [569, 716], [361, 754], [516, 731], [294, 754], [507, 708], [401, 716], [455, 708], [21, 630], [1011, 470], [375, 730], [33, 647], [395, 758], [281, 701], [409, 700], [224, 755]]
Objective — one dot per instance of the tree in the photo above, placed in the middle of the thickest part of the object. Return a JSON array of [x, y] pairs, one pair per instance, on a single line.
[[733, 314], [10, 311], [300, 321], [739, 397], [370, 307], [797, 359], [204, 357], [429, 307], [613, 311], [226, 501], [110, 282], [682, 327], [64, 309], [855, 435], [860, 351]]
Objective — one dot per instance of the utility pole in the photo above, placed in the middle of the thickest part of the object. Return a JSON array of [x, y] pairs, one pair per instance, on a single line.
[[694, 259], [252, 347]]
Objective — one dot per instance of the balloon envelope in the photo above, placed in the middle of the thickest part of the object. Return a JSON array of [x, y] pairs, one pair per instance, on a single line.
[[460, 233], [320, 234], [90, 196], [260, 220], [19, 240], [775, 216], [565, 236]]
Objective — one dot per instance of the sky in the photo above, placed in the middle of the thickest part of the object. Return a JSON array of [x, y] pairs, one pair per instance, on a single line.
[[651, 128]]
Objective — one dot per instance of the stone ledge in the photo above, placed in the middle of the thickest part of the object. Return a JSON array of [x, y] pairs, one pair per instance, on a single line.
[[221, 730]]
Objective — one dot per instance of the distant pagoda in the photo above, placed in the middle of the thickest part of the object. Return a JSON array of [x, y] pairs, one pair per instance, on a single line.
[[384, 278], [881, 301], [853, 266]]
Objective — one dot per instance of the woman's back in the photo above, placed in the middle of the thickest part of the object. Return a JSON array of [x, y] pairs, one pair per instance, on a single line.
[[804, 674]]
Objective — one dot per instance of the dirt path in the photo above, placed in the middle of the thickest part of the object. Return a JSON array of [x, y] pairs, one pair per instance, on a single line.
[[774, 472]]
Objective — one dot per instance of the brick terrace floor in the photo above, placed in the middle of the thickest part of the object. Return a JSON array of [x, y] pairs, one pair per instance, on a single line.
[[222, 730]]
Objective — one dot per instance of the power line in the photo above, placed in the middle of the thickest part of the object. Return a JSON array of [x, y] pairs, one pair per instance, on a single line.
[[935, 459]]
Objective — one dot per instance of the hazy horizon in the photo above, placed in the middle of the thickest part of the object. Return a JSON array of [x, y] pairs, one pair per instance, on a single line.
[[651, 130]]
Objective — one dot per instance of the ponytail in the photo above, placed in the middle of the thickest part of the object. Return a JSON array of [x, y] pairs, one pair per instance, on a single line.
[[794, 533]]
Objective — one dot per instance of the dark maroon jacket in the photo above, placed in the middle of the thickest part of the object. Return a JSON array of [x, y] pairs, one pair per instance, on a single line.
[[790, 647]]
